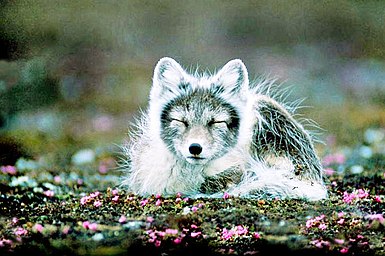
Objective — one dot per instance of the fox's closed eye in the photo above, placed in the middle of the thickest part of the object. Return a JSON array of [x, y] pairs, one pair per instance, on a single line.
[[179, 121], [219, 122]]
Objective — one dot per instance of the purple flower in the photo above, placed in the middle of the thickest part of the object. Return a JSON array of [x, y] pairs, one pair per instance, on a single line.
[[97, 203], [322, 226], [378, 217], [8, 169]]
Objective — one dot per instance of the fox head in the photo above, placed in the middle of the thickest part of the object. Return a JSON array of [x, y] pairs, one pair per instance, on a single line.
[[198, 117]]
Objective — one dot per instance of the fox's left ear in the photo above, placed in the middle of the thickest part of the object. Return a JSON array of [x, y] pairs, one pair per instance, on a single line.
[[233, 77]]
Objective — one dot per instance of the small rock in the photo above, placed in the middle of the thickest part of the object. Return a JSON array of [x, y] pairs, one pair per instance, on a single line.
[[84, 156], [356, 169], [98, 237]]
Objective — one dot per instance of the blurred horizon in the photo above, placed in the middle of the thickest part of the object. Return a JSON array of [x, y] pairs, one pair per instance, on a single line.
[[78, 71]]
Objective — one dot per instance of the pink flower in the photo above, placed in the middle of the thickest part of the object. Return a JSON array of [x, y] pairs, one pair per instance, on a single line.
[[93, 226], [157, 196], [378, 217], [97, 203], [65, 230], [186, 199], [194, 208], [49, 193], [177, 240], [362, 193], [178, 199], [321, 217], [86, 224], [95, 194], [171, 231], [90, 226], [4, 242], [360, 236], [194, 226], [150, 219], [57, 179], [21, 231], [333, 159], [115, 199], [227, 234], [377, 199], [320, 243], [329, 171], [8, 169], [84, 200], [226, 195], [122, 219], [340, 214], [309, 223], [241, 230], [195, 234], [115, 192], [158, 202], [178, 194], [348, 198], [339, 241], [143, 202], [344, 250], [38, 227], [161, 233], [341, 221], [103, 168], [15, 220], [256, 235], [157, 243], [322, 226]]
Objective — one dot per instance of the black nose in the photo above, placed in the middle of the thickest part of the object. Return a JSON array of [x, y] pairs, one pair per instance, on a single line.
[[195, 149]]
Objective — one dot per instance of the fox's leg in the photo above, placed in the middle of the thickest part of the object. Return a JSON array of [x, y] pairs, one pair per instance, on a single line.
[[277, 134]]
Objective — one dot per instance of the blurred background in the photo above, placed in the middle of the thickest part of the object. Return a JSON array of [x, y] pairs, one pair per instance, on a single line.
[[73, 74]]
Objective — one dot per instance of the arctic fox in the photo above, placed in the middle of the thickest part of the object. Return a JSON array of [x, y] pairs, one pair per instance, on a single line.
[[204, 135]]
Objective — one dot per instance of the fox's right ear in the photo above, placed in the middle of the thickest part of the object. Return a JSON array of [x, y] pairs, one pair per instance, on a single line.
[[168, 78]]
